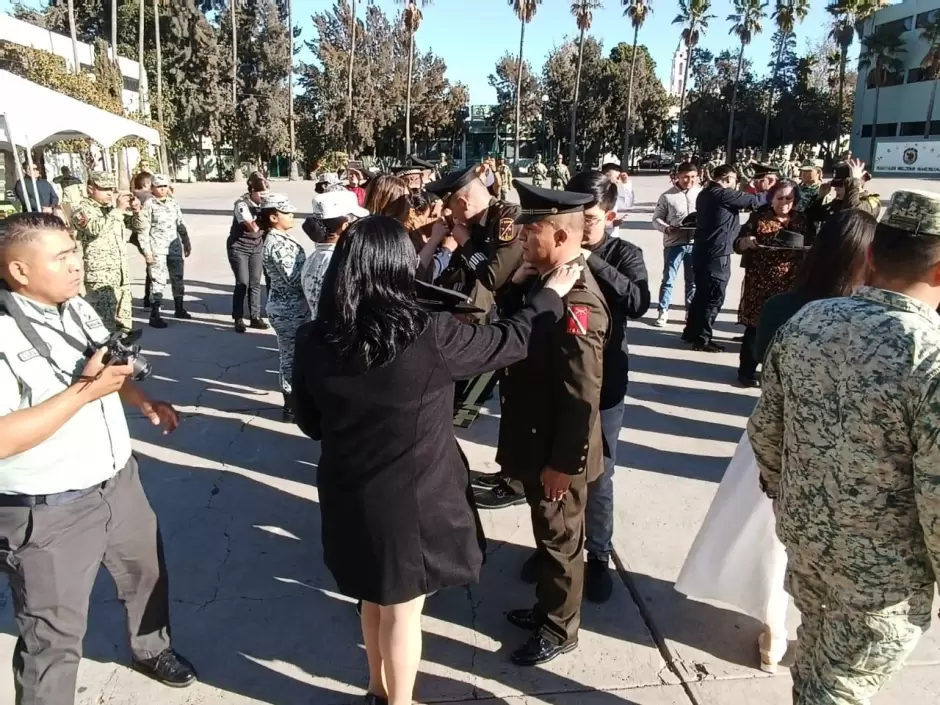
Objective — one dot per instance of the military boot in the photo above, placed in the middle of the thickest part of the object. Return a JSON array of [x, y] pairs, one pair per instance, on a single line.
[[180, 312], [156, 321], [147, 286], [287, 415]]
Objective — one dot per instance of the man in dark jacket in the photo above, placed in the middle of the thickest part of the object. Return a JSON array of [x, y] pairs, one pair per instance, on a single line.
[[719, 208]]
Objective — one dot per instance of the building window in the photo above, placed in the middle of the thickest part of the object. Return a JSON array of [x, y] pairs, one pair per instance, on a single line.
[[131, 84], [916, 75], [909, 129], [885, 129], [925, 18], [890, 79], [905, 24]]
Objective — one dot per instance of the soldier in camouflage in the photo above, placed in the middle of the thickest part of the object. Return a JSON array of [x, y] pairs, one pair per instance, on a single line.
[[164, 242], [283, 259], [505, 178], [845, 437], [560, 174], [100, 228], [539, 171]]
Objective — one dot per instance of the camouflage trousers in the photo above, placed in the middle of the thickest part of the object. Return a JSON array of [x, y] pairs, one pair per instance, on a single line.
[[285, 328], [167, 267], [112, 303], [557, 185], [849, 644]]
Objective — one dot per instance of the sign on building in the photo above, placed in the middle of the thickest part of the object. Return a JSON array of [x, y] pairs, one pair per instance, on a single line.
[[908, 157]]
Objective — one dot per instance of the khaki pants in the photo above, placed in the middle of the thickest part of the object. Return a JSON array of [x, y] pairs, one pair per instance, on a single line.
[[559, 538], [52, 554]]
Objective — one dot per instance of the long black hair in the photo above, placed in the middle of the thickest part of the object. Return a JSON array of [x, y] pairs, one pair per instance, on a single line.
[[838, 260], [368, 308]]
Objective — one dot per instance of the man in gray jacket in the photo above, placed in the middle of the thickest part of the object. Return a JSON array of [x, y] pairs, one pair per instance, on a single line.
[[673, 206]]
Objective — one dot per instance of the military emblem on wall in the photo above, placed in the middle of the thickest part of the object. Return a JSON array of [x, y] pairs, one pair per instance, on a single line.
[[910, 156]]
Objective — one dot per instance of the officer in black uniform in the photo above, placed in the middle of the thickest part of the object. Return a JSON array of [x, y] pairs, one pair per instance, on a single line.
[[550, 435]]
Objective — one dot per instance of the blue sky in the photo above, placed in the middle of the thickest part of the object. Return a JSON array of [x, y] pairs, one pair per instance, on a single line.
[[471, 35]]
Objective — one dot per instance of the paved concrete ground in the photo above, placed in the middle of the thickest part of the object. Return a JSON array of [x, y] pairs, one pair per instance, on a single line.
[[254, 608]]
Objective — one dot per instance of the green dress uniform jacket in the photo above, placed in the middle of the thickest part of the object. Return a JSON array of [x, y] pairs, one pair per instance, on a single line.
[[482, 266], [551, 399]]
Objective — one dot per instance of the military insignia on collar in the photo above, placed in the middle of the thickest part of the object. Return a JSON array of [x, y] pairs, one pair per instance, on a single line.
[[28, 355], [506, 233]]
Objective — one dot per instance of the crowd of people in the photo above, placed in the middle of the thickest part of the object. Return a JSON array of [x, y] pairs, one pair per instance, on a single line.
[[421, 290]]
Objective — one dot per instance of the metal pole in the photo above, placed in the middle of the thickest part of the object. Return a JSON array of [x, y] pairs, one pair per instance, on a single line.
[[237, 175], [293, 174], [17, 167]]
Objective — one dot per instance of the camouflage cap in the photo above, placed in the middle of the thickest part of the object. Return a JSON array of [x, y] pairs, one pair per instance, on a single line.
[[102, 179], [917, 212], [158, 180], [278, 202]]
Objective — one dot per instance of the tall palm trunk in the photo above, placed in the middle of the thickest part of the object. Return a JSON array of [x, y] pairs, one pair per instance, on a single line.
[[770, 99], [114, 55], [74, 35], [933, 97], [572, 150], [156, 24], [236, 165], [349, 79], [519, 88], [874, 121], [734, 100], [141, 71], [293, 174], [411, 64], [627, 126], [843, 57], [685, 87]]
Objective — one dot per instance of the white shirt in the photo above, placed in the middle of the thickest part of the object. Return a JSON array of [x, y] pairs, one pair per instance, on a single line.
[[95, 443], [673, 206], [314, 272]]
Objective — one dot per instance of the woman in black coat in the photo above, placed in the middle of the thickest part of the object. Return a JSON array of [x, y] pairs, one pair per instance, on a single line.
[[374, 382]]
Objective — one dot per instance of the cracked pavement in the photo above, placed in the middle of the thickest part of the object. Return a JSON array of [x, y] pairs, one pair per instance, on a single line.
[[255, 610]]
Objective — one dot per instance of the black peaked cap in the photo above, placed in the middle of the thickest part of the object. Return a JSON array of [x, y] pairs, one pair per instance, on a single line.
[[537, 203], [424, 164], [448, 185]]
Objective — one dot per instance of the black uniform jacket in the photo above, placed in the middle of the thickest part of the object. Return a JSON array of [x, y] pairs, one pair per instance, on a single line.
[[551, 400], [718, 210], [484, 264], [619, 269]]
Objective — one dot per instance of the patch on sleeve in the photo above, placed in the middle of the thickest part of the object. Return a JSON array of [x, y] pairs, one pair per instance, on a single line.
[[506, 233], [28, 355], [79, 218], [577, 319]]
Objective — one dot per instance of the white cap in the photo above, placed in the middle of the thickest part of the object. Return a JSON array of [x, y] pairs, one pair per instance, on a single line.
[[337, 204]]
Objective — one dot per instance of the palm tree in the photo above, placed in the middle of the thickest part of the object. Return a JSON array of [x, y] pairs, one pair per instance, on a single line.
[[237, 175], [881, 56], [746, 21], [583, 13], [930, 33], [849, 18], [77, 68], [412, 18], [637, 11], [293, 174], [156, 25], [694, 14], [525, 11], [349, 74], [114, 55], [786, 15], [141, 71]]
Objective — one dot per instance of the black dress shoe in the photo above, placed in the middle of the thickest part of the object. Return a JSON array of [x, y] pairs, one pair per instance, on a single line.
[[538, 650], [486, 481], [168, 668], [259, 324], [498, 497], [524, 619], [709, 347], [240, 326], [371, 699], [749, 381], [598, 585], [529, 574]]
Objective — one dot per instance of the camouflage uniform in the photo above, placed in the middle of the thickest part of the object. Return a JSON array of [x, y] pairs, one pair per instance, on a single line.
[[560, 175], [845, 436], [283, 259], [162, 234], [101, 233], [539, 171], [505, 181]]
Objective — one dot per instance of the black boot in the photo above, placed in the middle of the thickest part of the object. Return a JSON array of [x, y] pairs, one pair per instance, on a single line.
[[287, 415], [156, 321], [180, 312], [147, 285]]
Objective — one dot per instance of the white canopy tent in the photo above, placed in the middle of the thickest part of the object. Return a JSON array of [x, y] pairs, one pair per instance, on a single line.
[[33, 116]]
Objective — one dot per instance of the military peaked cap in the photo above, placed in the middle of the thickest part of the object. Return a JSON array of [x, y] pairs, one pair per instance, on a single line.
[[539, 203]]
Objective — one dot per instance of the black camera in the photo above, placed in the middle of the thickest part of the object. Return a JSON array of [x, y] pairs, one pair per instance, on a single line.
[[121, 350]]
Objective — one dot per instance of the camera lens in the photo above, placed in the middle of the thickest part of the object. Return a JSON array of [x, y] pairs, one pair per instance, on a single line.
[[142, 367]]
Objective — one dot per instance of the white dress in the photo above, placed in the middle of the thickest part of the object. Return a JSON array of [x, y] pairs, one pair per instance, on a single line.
[[737, 558]]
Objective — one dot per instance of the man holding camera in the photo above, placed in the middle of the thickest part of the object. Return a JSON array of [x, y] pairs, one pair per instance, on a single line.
[[70, 493]]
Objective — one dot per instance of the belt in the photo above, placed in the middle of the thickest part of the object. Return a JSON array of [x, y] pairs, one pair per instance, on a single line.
[[52, 500]]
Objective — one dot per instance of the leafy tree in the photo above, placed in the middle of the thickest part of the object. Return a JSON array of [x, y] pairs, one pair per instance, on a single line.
[[505, 80], [882, 53], [747, 20], [849, 17], [525, 11], [786, 15], [637, 11], [583, 13], [930, 33], [411, 17], [694, 15]]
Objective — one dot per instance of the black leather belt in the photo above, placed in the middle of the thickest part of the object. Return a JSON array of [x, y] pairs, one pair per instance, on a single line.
[[52, 500]]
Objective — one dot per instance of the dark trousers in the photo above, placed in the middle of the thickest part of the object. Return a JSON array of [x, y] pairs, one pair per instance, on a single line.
[[52, 554], [711, 280], [747, 359], [247, 268], [559, 538]]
